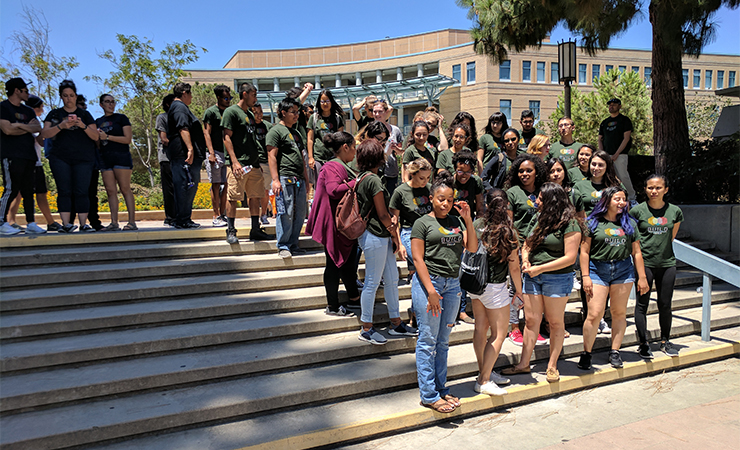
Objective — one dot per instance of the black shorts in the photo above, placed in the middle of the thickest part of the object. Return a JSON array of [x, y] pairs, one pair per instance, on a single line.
[[39, 184], [116, 160]]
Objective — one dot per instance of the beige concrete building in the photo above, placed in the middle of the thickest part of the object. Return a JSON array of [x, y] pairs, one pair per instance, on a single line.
[[441, 68]]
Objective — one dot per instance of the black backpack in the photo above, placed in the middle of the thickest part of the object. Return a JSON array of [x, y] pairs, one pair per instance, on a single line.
[[494, 174]]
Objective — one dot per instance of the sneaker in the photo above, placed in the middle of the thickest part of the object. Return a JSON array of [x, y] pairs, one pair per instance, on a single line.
[[8, 230], [259, 235], [218, 222], [668, 348], [516, 337], [231, 236], [187, 225], [168, 223], [341, 312], [372, 336], [541, 340], [87, 228], [17, 227], [489, 389], [604, 328], [284, 254], [33, 228], [615, 359], [54, 226], [499, 379], [264, 219], [585, 362], [299, 251], [645, 352], [360, 284], [576, 283], [403, 330], [70, 227]]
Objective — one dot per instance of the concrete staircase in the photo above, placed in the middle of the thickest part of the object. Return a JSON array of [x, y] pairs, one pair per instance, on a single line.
[[174, 339]]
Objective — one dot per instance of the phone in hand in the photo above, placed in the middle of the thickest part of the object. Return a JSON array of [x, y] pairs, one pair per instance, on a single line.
[[72, 117]]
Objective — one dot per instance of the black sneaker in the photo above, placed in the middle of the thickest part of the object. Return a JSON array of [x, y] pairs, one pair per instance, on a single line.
[[70, 227], [341, 312], [54, 226], [668, 348], [615, 360], [257, 234], [645, 352], [585, 362], [87, 229], [231, 236], [299, 251]]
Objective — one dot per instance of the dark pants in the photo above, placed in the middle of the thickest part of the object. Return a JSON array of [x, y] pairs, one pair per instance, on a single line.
[[183, 194], [18, 176], [92, 195], [390, 184], [73, 180], [665, 279], [347, 273], [168, 191]]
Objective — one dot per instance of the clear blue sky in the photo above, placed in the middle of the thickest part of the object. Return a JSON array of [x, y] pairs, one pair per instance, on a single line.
[[83, 28]]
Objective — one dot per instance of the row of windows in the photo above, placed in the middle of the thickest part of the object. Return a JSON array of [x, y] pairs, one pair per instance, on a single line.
[[708, 78], [505, 107], [469, 72]]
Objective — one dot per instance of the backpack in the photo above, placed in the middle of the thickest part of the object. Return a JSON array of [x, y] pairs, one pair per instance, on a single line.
[[348, 219], [474, 270], [494, 174]]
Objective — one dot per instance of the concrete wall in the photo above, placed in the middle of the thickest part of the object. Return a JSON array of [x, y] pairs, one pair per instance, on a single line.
[[716, 223]]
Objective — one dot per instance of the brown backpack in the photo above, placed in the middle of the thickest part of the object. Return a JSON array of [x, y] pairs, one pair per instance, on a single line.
[[348, 219]]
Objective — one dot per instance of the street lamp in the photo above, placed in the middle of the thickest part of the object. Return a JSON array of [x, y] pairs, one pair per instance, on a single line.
[[567, 68]]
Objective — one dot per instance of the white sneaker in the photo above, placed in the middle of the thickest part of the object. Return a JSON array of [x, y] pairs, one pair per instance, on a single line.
[[32, 228], [489, 389], [499, 379], [576, 283], [604, 328], [8, 230], [218, 222]]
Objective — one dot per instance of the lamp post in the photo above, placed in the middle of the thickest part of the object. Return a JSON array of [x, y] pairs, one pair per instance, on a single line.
[[567, 68]]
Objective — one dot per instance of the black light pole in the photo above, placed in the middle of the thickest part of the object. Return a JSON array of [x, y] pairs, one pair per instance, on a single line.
[[567, 68]]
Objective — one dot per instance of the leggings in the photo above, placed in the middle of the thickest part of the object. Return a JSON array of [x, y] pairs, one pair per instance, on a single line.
[[347, 273], [664, 278], [18, 176]]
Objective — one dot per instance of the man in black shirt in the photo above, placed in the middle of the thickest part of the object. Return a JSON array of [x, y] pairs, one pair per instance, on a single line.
[[615, 138]]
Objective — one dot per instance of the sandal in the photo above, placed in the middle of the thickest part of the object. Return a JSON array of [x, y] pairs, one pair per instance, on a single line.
[[452, 400], [514, 371], [111, 227], [130, 227], [441, 406]]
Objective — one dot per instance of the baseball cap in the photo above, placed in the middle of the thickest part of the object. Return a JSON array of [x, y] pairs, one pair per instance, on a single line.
[[614, 100], [34, 101], [15, 83]]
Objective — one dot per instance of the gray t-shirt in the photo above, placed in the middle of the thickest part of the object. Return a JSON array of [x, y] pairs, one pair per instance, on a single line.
[[161, 125], [391, 163]]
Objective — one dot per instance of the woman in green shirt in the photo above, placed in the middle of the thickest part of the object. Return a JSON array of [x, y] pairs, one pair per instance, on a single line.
[[658, 222], [460, 138], [328, 118], [418, 147], [611, 245], [583, 158], [492, 141], [548, 255]]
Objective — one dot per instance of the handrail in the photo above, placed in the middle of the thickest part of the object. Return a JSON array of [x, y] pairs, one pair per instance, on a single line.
[[711, 266]]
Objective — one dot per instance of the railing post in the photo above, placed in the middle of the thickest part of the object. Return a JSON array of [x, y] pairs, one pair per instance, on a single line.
[[706, 307]]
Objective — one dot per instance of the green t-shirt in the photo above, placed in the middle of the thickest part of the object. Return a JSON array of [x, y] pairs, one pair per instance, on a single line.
[[522, 204], [490, 147], [553, 247], [576, 175], [586, 194], [411, 202], [212, 117], [610, 242], [656, 233], [260, 131], [443, 244], [322, 126], [567, 153], [468, 193], [497, 270], [411, 153], [290, 150], [444, 160], [368, 187], [244, 139]]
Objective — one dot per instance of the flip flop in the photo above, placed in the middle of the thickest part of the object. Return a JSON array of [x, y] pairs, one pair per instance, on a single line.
[[441, 406], [452, 400], [514, 371]]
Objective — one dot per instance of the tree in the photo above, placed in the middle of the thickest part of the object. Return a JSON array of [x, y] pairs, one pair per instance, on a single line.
[[140, 81], [36, 60], [679, 27], [588, 110], [702, 113]]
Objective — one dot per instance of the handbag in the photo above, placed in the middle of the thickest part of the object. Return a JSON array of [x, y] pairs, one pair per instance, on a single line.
[[348, 219], [474, 270]]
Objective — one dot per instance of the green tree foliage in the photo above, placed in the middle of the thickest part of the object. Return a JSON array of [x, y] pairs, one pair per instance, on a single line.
[[588, 110], [702, 112], [139, 80], [36, 62]]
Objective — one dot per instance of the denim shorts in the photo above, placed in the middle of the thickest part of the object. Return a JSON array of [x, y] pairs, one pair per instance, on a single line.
[[116, 160], [606, 273], [549, 284]]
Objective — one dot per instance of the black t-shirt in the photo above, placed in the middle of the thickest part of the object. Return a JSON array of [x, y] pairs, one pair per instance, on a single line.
[[260, 131], [20, 146], [613, 129], [72, 144], [364, 121], [178, 117], [113, 125]]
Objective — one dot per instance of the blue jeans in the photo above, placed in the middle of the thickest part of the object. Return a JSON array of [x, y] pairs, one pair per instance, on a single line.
[[289, 225], [184, 195], [553, 285], [72, 180], [406, 242], [380, 263], [434, 335]]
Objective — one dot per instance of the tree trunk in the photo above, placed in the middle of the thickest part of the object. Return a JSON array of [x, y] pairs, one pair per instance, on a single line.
[[670, 127]]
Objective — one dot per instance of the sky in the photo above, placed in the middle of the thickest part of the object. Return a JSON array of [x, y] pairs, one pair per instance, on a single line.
[[84, 28]]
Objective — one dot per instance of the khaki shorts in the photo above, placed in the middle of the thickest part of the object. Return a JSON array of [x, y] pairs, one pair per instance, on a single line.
[[250, 183], [266, 175]]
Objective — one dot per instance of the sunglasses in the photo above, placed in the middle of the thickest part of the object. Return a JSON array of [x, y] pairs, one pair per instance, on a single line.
[[506, 141]]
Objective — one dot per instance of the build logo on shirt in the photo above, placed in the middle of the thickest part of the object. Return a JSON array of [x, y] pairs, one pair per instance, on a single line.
[[611, 126], [616, 238], [106, 126], [450, 236], [423, 205], [21, 117], [532, 201], [567, 151], [656, 228], [461, 195]]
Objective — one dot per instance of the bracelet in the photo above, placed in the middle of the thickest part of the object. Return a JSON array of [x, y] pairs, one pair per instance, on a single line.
[[585, 276], [60, 128], [84, 128]]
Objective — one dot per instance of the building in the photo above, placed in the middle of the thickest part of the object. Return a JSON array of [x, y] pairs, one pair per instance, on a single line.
[[441, 68]]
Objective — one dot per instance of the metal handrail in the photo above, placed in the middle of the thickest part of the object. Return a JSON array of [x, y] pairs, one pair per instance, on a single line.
[[711, 266]]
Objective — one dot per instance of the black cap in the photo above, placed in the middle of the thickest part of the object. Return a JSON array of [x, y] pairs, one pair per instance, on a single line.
[[34, 101], [614, 100], [15, 83]]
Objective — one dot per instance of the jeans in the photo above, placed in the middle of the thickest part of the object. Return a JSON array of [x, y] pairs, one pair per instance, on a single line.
[[72, 179], [347, 273], [607, 273], [433, 343], [289, 224], [406, 242], [184, 195], [168, 191], [380, 263], [665, 278], [620, 165]]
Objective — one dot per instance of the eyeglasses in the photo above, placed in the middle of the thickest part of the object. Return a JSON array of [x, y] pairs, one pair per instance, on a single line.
[[228, 99], [527, 122], [109, 101], [381, 140], [325, 102], [293, 111], [463, 172], [506, 141]]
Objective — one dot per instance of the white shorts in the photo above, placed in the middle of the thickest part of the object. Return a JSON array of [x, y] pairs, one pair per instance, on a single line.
[[495, 296]]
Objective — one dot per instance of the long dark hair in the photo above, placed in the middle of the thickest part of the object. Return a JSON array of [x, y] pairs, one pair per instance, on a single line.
[[610, 174], [459, 118], [597, 215], [541, 173], [566, 176], [410, 139], [499, 236], [497, 117], [336, 140], [555, 212], [335, 108]]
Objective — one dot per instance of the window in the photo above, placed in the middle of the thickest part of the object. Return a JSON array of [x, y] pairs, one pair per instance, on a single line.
[[608, 67], [636, 69], [707, 79], [534, 106], [554, 72], [595, 71], [582, 73], [505, 107], [471, 72], [697, 79], [456, 73], [685, 78], [526, 71], [720, 79], [622, 68], [731, 79], [648, 76], [540, 71], [504, 71]]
